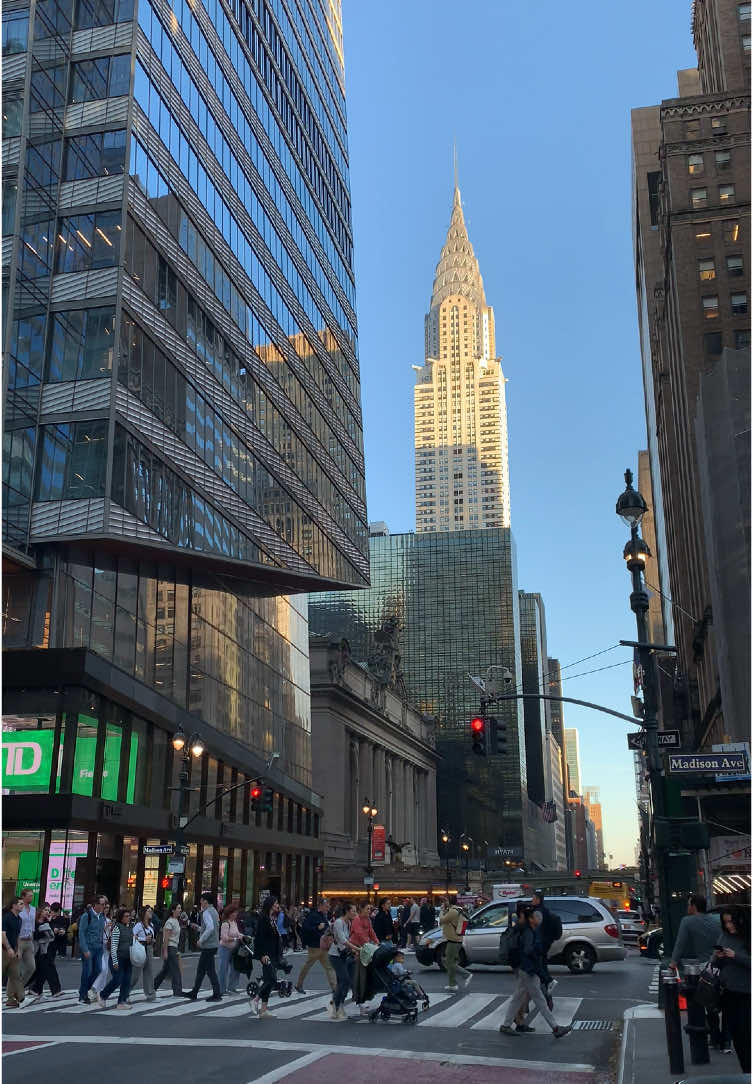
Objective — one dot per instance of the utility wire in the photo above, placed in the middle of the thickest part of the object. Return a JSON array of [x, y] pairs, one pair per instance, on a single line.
[[672, 603], [625, 662], [544, 684]]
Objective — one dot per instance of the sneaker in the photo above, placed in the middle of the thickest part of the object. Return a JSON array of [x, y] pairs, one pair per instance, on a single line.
[[189, 994], [83, 1001], [726, 1050], [523, 1029], [452, 989], [61, 993], [299, 990], [340, 1014], [36, 998], [507, 1029], [124, 1005], [214, 997], [467, 982], [558, 1032], [100, 1003]]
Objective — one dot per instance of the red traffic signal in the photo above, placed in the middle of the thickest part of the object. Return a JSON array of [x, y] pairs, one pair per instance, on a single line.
[[255, 795], [478, 735], [577, 873], [256, 792], [165, 882], [477, 724]]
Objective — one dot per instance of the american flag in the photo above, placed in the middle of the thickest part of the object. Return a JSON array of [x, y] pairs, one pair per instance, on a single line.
[[549, 812], [637, 672]]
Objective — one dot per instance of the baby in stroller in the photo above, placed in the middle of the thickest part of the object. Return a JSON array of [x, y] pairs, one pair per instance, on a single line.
[[403, 993]]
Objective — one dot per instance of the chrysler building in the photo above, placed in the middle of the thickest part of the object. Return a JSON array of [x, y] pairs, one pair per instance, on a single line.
[[462, 478]]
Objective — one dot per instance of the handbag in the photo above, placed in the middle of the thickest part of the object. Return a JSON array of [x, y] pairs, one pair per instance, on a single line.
[[325, 941], [462, 925], [708, 992], [367, 951], [138, 954]]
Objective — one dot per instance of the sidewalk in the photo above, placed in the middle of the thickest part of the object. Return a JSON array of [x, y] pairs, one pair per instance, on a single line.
[[644, 1058]]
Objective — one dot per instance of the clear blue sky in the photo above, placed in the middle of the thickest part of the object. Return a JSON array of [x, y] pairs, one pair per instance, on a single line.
[[538, 97]]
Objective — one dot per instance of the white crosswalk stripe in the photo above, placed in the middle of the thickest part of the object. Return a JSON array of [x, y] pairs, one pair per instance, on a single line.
[[50, 1003], [201, 1005], [289, 1010], [462, 1009], [565, 1009]]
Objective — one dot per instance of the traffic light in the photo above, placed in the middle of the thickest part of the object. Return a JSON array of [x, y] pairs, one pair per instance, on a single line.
[[165, 882], [577, 873], [497, 735], [478, 735], [267, 800], [255, 795]]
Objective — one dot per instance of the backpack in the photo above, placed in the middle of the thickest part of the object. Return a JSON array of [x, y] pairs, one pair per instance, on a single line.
[[555, 927], [513, 952]]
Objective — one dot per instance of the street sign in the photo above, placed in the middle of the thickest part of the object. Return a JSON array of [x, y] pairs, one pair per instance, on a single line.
[[707, 762], [176, 865], [665, 739], [160, 848], [368, 882], [184, 849]]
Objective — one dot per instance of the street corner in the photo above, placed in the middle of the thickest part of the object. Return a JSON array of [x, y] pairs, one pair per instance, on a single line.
[[322, 1068]]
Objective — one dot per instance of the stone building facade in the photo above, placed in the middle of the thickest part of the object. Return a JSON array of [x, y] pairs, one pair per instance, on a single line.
[[370, 745]]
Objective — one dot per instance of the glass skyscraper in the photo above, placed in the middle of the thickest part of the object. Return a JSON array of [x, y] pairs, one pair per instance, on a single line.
[[183, 446], [455, 596]]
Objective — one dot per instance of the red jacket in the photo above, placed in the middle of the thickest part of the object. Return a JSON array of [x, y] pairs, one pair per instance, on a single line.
[[362, 931]]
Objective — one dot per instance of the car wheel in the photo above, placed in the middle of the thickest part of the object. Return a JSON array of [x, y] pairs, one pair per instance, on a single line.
[[580, 959]]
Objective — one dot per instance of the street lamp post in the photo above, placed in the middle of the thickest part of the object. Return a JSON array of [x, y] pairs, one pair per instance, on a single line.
[[446, 839], [191, 747], [465, 846], [631, 508], [370, 811]]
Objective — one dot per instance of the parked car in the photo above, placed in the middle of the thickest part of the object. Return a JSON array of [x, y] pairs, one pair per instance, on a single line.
[[590, 935], [631, 924], [651, 944]]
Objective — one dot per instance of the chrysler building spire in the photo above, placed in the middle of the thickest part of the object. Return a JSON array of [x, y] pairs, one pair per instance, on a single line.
[[462, 478]]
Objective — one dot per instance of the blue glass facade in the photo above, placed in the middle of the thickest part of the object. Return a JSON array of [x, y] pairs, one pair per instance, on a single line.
[[456, 598]]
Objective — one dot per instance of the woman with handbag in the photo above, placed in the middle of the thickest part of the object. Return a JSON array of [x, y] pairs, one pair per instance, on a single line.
[[230, 937], [104, 972], [144, 934], [732, 956], [46, 972], [342, 953], [362, 933], [121, 944]]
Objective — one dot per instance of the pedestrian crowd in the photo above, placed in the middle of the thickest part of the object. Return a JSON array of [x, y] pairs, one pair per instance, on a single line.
[[120, 948]]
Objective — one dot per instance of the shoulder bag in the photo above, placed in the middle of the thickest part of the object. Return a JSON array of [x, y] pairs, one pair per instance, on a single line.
[[137, 953], [708, 992]]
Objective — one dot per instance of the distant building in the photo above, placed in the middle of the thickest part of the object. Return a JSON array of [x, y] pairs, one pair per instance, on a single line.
[[592, 799], [462, 475], [367, 742], [451, 602], [572, 756]]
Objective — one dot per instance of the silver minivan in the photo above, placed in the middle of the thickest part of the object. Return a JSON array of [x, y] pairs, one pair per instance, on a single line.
[[590, 935]]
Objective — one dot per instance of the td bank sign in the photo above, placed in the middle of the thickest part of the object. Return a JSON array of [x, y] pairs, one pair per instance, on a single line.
[[27, 763]]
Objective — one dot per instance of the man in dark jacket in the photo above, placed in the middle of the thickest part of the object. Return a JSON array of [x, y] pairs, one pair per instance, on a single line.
[[530, 976], [549, 932], [314, 926], [427, 916]]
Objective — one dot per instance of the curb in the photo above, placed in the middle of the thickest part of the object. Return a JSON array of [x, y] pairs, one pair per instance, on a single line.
[[638, 1012]]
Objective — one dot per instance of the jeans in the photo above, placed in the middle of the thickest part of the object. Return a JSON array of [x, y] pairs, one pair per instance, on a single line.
[[226, 973], [120, 981], [451, 961], [321, 956], [171, 967], [206, 969], [344, 970], [529, 988], [90, 966]]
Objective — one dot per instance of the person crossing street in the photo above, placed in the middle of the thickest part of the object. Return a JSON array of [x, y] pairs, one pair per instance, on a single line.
[[209, 940], [453, 920], [529, 985]]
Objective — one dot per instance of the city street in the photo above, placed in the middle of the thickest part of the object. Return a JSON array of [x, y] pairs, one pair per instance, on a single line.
[[179, 1040]]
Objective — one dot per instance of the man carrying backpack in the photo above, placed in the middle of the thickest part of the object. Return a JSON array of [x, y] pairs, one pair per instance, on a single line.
[[314, 928], [550, 931]]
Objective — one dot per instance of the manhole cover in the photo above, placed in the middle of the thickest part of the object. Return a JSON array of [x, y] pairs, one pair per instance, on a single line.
[[593, 1025]]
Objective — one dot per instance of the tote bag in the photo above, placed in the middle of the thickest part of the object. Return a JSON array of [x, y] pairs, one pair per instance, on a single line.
[[138, 954]]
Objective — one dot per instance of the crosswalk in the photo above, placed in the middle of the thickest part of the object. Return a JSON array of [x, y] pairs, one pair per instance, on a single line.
[[478, 1011]]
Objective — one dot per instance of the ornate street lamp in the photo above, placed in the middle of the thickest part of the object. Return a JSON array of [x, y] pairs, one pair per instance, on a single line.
[[369, 811]]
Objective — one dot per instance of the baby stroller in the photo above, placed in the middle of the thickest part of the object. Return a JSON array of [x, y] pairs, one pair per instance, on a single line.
[[243, 962], [402, 993]]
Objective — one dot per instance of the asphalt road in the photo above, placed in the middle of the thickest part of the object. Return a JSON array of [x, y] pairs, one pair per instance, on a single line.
[[457, 1038]]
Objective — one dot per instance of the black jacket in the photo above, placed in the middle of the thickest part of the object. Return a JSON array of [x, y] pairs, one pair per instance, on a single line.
[[267, 941], [428, 917], [383, 927], [310, 932], [551, 927]]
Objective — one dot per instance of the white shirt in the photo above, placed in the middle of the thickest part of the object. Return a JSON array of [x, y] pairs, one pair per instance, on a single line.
[[144, 934], [27, 915]]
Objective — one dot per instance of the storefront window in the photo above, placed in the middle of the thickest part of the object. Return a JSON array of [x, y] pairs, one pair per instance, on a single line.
[[28, 742], [128, 871], [111, 767], [84, 757], [66, 873], [22, 863], [151, 876]]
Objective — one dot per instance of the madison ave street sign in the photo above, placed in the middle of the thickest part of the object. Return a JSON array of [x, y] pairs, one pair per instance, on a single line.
[[708, 762]]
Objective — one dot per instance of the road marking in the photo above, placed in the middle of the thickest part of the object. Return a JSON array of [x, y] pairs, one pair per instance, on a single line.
[[459, 1012], [292, 1009], [241, 1007], [194, 1006], [144, 1006], [306, 1048], [283, 1071], [565, 1009], [29, 1046], [47, 1003]]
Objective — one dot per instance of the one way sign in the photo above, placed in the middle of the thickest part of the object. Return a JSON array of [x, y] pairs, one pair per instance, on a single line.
[[666, 739]]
